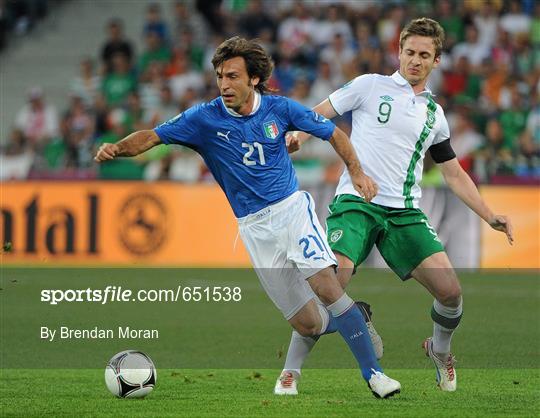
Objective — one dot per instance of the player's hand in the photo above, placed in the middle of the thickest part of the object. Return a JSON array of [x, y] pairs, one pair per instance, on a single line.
[[365, 185], [502, 223], [106, 152], [292, 142]]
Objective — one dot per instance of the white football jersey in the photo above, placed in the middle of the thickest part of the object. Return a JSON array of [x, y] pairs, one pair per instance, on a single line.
[[392, 127]]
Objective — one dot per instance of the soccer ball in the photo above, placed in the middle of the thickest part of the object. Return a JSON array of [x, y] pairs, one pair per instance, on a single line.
[[130, 374]]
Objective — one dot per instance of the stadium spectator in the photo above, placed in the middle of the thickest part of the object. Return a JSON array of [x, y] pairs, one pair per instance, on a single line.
[[37, 120], [495, 78], [503, 50], [526, 60], [182, 76], [515, 21], [324, 83], [494, 158], [155, 51], [16, 158], [193, 50], [452, 23], [154, 23], [364, 37], [286, 71], [297, 31], [455, 80], [166, 109], [190, 98], [87, 84], [117, 84], [513, 120], [78, 126], [487, 22], [121, 168], [331, 25], [187, 20], [135, 112], [529, 142], [256, 20], [471, 48], [210, 10], [101, 111], [389, 28], [300, 91], [116, 44], [341, 55], [186, 166], [151, 84], [465, 139]]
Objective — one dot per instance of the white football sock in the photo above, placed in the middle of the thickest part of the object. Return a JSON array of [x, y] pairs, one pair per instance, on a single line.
[[340, 306], [325, 317], [299, 349], [442, 336]]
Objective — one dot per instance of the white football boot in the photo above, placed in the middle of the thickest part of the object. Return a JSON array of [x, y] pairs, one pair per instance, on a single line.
[[376, 339], [382, 386], [286, 383], [446, 373]]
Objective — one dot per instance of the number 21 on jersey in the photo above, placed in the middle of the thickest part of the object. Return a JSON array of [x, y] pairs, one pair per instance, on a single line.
[[249, 158]]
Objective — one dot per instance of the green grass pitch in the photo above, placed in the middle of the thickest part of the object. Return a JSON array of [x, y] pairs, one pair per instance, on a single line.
[[222, 359]]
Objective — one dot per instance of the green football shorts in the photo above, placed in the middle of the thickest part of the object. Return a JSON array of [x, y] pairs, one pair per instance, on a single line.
[[404, 237]]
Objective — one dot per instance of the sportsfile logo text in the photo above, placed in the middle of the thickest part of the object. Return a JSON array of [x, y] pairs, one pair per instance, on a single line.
[[119, 294]]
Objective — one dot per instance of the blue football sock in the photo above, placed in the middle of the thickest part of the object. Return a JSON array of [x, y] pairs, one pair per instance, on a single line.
[[351, 325], [332, 325]]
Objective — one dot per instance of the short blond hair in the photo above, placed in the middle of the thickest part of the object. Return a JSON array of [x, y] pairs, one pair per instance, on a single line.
[[424, 26]]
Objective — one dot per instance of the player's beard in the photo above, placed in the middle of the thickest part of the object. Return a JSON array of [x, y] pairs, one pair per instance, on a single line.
[[241, 103]]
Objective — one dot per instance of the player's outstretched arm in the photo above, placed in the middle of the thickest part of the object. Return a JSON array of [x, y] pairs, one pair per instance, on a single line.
[[133, 144], [362, 182], [463, 187], [296, 139]]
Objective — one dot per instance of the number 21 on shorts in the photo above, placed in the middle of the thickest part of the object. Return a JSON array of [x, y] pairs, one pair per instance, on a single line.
[[312, 247]]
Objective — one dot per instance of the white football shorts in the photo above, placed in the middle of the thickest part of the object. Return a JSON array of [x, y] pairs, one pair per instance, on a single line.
[[287, 245]]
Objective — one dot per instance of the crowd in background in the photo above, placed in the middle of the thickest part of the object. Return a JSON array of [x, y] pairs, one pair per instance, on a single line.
[[488, 83]]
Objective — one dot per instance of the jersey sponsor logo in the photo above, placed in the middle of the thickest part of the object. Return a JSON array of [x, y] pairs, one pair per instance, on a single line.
[[387, 98], [270, 129], [336, 235], [224, 135]]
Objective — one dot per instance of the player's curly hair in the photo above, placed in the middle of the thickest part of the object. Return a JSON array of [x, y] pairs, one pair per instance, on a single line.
[[258, 62], [424, 26]]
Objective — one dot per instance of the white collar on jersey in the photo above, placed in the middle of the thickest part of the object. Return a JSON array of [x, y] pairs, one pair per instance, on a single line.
[[256, 105], [401, 81]]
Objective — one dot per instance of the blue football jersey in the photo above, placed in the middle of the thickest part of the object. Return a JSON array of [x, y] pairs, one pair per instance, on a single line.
[[246, 154]]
